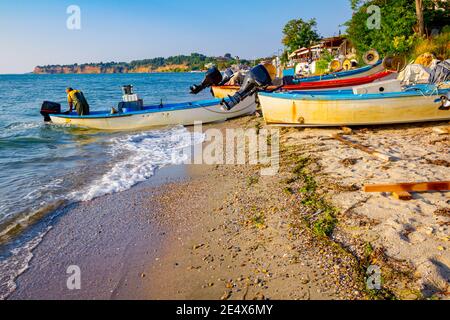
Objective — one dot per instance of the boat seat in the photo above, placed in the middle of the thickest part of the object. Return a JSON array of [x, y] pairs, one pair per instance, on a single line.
[[393, 85]]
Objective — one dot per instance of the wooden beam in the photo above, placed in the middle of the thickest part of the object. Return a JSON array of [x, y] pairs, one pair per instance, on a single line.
[[403, 195], [442, 130], [409, 187], [358, 146]]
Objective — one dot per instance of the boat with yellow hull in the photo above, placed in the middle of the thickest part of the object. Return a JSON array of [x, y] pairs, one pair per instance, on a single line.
[[344, 108], [222, 92]]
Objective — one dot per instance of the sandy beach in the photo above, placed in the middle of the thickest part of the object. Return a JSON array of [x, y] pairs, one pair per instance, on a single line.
[[226, 232]]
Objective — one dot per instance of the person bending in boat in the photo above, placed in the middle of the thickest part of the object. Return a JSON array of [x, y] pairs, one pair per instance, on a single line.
[[76, 99]]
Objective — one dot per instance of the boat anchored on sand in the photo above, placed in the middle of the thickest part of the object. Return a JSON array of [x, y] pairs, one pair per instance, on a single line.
[[365, 105]]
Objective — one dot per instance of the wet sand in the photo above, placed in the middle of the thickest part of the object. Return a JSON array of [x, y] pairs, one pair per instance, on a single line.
[[112, 239]]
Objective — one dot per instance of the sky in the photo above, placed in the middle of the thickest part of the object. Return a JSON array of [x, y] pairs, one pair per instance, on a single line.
[[35, 32]]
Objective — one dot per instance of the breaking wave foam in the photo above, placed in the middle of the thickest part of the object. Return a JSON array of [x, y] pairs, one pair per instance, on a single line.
[[144, 152], [136, 158]]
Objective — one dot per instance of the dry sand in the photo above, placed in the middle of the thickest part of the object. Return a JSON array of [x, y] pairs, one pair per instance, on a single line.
[[239, 237], [412, 236], [408, 240]]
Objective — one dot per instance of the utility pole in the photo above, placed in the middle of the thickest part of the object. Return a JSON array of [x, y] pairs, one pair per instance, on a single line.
[[420, 20]]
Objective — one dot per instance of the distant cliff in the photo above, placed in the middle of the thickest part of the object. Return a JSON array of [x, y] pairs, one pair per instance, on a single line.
[[182, 63]]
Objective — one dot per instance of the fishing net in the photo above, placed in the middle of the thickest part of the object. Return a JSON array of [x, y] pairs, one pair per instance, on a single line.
[[441, 73]]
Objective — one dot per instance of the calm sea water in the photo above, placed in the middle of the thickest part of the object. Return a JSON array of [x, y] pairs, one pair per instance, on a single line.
[[42, 165]]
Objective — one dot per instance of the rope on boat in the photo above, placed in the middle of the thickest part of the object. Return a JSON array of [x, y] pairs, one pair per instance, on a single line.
[[425, 94], [221, 112], [228, 112]]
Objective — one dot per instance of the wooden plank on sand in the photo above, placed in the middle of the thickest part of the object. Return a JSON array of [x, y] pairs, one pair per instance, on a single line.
[[409, 187], [358, 146], [403, 195], [442, 130]]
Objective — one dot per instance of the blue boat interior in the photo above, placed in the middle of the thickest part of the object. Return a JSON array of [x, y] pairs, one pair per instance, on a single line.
[[146, 110]]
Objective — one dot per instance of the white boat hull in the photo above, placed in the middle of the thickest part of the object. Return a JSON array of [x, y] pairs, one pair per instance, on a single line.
[[142, 120]]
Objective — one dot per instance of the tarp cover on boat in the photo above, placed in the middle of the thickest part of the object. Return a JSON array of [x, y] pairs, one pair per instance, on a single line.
[[441, 72], [415, 73]]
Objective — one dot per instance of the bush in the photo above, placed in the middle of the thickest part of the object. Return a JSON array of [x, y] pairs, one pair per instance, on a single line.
[[322, 65], [438, 45], [398, 23]]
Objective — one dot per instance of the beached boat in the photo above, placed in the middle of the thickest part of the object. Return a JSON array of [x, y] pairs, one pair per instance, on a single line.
[[355, 73], [337, 83], [419, 103], [225, 91], [206, 111]]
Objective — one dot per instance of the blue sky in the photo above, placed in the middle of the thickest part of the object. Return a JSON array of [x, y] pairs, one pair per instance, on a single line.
[[35, 33]]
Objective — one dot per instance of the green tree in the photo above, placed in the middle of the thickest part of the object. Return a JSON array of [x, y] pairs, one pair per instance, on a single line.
[[402, 23], [299, 33], [396, 34], [420, 19]]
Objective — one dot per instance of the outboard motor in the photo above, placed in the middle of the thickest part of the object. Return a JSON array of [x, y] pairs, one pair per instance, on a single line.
[[227, 75], [49, 108], [130, 100], [212, 77], [258, 78]]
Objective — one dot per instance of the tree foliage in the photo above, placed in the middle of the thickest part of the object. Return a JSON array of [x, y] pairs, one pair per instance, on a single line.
[[194, 62], [398, 24], [299, 33], [396, 33]]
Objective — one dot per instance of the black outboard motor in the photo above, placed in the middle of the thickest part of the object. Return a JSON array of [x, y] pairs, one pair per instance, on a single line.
[[227, 75], [49, 108], [127, 89], [212, 77], [257, 78]]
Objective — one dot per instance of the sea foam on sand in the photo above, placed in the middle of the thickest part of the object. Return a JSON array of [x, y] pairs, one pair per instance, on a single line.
[[141, 154]]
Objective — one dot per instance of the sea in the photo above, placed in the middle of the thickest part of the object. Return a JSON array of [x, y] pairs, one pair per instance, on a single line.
[[45, 167]]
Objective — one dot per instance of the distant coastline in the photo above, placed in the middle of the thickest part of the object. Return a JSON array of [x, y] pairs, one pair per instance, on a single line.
[[181, 63]]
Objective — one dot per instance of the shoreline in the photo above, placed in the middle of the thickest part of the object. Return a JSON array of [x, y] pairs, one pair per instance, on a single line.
[[225, 232], [107, 238]]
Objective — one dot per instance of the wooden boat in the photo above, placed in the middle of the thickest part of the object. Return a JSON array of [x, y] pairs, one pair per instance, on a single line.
[[337, 83], [344, 108], [225, 91], [206, 111], [221, 92], [349, 74]]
